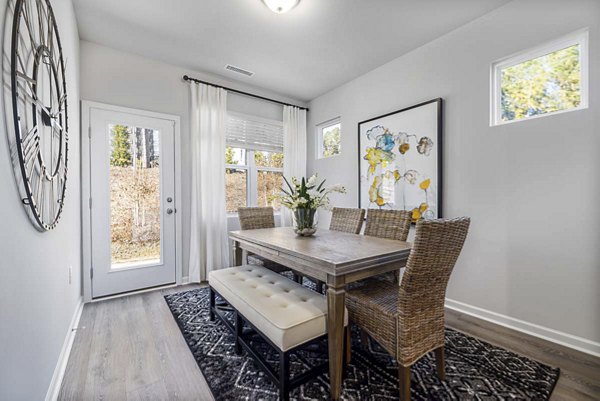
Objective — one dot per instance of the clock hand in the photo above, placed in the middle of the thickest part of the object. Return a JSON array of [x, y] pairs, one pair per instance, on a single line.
[[36, 101]]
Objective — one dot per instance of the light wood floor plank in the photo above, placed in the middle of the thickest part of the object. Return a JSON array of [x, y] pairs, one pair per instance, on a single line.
[[131, 349]]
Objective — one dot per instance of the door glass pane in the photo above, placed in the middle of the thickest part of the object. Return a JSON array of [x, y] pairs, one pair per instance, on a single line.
[[134, 195], [269, 183]]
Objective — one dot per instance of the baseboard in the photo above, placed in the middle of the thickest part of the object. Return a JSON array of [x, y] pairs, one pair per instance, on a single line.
[[63, 358], [555, 336]]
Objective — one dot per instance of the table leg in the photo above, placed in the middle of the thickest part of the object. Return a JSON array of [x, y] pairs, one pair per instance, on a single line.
[[237, 254], [336, 297]]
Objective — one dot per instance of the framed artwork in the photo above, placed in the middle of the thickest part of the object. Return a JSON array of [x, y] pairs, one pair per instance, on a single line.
[[400, 161]]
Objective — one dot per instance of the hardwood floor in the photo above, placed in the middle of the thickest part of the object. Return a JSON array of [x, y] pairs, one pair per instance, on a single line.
[[579, 372], [131, 349]]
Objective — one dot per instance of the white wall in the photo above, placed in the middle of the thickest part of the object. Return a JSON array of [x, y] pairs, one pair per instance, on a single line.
[[36, 300], [124, 79], [531, 188]]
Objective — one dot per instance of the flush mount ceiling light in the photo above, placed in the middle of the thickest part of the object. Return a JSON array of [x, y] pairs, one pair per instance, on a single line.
[[281, 6]]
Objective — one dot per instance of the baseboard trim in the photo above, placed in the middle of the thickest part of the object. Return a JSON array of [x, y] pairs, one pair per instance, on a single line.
[[63, 358], [555, 336]]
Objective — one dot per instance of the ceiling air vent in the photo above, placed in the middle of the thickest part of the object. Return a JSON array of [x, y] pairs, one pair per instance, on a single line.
[[238, 70]]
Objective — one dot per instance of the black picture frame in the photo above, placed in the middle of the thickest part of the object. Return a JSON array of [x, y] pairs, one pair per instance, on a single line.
[[438, 142]]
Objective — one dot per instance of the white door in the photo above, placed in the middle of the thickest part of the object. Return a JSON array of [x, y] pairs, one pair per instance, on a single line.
[[132, 187]]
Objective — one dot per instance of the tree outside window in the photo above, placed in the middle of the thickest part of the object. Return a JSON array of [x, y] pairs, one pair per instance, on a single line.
[[329, 139], [252, 177]]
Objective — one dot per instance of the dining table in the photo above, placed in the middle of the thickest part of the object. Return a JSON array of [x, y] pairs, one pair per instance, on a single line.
[[332, 257]]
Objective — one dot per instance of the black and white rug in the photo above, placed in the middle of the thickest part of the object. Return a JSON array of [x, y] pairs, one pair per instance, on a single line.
[[475, 370]]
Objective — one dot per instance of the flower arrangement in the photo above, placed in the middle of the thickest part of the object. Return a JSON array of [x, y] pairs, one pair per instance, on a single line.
[[303, 197]]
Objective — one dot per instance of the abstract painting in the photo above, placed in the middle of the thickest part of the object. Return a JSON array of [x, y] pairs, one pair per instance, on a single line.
[[400, 160]]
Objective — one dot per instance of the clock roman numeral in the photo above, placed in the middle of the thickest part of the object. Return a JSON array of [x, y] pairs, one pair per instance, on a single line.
[[30, 134], [31, 151], [40, 18], [26, 15]]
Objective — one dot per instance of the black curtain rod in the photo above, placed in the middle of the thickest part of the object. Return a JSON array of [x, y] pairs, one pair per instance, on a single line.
[[187, 78]]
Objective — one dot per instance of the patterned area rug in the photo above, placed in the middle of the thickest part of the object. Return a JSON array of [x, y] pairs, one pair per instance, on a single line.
[[475, 370]]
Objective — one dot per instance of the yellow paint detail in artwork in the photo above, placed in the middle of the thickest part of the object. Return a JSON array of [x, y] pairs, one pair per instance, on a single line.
[[375, 157], [425, 184], [423, 207], [374, 190], [416, 215]]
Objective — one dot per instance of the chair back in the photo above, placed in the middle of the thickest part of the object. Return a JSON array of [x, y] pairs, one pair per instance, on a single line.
[[386, 223], [436, 248], [348, 220], [252, 218]]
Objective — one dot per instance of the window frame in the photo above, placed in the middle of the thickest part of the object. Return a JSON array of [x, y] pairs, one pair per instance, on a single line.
[[580, 37], [319, 134], [252, 171]]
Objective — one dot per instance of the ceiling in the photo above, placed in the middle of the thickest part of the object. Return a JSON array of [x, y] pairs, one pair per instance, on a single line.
[[314, 48]]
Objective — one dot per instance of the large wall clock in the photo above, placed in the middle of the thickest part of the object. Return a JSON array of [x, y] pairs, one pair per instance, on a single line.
[[38, 98]]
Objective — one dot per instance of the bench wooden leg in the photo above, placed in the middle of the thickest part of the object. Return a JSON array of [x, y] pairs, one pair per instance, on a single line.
[[239, 325], [211, 313], [319, 287], [284, 376]]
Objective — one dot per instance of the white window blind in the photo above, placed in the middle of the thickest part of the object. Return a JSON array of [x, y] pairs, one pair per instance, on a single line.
[[254, 133]]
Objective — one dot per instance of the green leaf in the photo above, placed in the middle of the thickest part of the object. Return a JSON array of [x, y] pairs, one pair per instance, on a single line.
[[288, 184]]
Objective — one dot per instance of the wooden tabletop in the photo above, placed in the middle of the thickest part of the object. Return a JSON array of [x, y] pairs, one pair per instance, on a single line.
[[338, 252], [333, 257]]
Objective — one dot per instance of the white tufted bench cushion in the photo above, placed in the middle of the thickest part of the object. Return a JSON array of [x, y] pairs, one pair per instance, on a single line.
[[283, 310]]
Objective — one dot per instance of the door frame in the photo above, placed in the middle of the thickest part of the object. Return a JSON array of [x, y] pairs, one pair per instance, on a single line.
[[86, 204]]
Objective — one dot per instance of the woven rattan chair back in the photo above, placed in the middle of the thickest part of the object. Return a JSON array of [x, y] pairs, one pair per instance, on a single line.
[[348, 220], [391, 224], [252, 218], [436, 248]]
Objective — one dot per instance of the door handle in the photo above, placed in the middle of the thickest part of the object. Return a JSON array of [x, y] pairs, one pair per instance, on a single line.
[[169, 211]]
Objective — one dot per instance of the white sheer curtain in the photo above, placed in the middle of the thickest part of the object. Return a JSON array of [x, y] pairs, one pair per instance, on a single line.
[[294, 149], [209, 249]]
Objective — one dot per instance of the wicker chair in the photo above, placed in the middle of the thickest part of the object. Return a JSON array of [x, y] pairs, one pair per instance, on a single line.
[[408, 321], [347, 220], [390, 224], [252, 218]]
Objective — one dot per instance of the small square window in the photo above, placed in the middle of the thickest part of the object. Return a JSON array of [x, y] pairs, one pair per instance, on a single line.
[[548, 79], [329, 138]]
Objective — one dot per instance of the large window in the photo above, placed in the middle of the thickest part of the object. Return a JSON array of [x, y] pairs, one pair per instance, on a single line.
[[548, 79], [253, 161], [329, 138]]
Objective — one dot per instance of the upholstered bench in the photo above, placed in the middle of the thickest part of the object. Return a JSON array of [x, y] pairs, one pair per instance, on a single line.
[[284, 313]]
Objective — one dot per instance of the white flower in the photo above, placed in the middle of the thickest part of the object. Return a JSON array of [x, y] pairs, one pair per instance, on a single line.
[[311, 181], [338, 188], [302, 200], [313, 193]]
